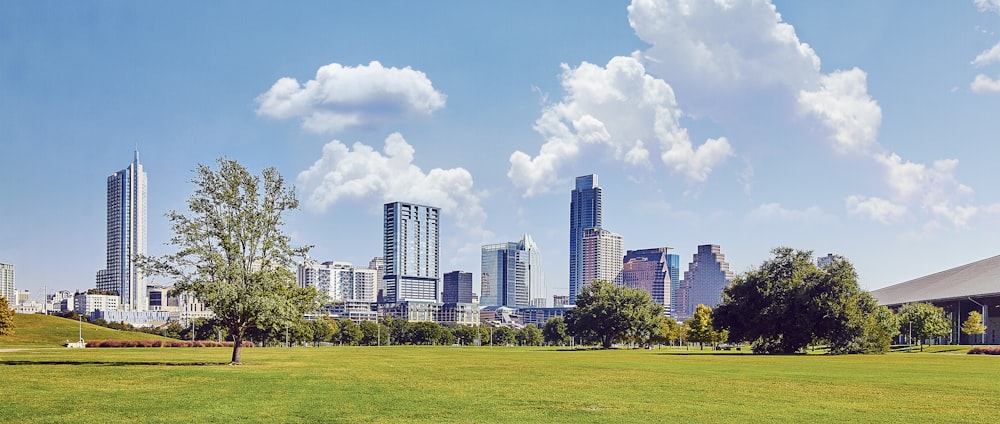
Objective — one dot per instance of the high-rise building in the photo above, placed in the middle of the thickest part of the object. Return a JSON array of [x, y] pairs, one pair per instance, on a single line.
[[825, 261], [584, 212], [378, 264], [707, 275], [649, 271], [411, 243], [601, 256], [511, 273], [126, 237], [457, 287], [339, 281], [559, 300], [7, 289], [674, 271]]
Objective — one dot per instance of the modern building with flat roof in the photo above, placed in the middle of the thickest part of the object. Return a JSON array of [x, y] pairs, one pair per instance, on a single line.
[[7, 289], [584, 212], [126, 237], [411, 247]]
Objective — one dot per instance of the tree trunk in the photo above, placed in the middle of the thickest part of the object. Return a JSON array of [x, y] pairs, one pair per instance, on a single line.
[[237, 348], [608, 341]]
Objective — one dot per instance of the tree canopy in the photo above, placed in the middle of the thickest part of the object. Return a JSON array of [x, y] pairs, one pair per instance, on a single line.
[[606, 313], [923, 321], [231, 252], [973, 326], [788, 303], [6, 318]]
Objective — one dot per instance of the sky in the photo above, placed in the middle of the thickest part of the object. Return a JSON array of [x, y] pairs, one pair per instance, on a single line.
[[865, 129]]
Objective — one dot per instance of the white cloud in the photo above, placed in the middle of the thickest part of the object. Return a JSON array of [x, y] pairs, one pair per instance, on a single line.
[[621, 109], [360, 172], [988, 5], [985, 85], [842, 103], [775, 212], [987, 57], [343, 97], [876, 209], [934, 188]]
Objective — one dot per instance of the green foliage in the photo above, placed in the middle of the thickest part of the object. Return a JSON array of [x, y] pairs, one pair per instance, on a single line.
[[503, 336], [554, 332], [232, 254], [972, 326], [923, 321], [700, 329], [529, 336], [6, 318], [323, 329], [606, 313], [350, 332], [466, 334], [788, 303]]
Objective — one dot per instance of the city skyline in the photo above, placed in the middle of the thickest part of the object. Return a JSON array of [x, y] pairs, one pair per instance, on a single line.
[[857, 128]]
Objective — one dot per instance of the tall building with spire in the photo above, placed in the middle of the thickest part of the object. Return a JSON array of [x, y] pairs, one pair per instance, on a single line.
[[126, 237], [584, 213], [511, 273]]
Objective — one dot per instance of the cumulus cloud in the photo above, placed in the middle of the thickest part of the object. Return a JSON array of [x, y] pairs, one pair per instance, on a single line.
[[876, 209], [842, 103], [342, 97], [360, 171], [775, 212], [988, 5], [625, 111], [983, 84], [987, 57]]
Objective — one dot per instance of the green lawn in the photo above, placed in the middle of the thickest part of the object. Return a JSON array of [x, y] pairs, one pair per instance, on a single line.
[[36, 330], [467, 384]]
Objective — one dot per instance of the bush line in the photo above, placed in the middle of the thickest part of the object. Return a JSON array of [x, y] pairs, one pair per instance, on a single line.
[[162, 343]]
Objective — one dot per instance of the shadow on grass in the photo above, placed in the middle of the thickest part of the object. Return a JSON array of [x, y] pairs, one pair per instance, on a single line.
[[116, 363]]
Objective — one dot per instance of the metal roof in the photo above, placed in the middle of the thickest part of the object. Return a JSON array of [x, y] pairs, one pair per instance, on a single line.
[[978, 279]]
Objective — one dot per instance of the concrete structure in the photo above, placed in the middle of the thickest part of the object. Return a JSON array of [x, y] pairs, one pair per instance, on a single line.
[[339, 281], [378, 264], [457, 287], [458, 314], [560, 300], [539, 316], [960, 290], [7, 289], [412, 311], [649, 271], [134, 318], [85, 304], [352, 310], [411, 248], [511, 273], [825, 261], [584, 212], [707, 275], [126, 236], [602, 256]]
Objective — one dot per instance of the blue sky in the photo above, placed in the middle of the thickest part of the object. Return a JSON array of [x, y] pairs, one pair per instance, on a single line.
[[867, 129]]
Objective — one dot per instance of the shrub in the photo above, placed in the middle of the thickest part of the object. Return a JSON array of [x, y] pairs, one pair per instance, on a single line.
[[985, 350]]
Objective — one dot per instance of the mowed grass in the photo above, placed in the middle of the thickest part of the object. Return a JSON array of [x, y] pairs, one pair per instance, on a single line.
[[36, 330], [468, 384]]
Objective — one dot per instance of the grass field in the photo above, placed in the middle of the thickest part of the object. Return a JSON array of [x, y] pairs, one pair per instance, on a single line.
[[468, 384], [36, 330]]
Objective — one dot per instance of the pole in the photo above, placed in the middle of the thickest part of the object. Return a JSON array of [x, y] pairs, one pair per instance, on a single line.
[[379, 338]]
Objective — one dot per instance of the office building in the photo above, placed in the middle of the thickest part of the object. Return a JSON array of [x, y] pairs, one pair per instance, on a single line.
[[339, 281], [560, 300], [7, 289], [601, 255], [126, 239], [457, 287], [411, 250], [825, 261], [674, 273], [707, 275], [511, 273], [378, 264], [584, 212], [649, 271]]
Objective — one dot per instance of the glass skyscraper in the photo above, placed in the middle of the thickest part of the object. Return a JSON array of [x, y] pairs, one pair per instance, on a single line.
[[649, 271], [707, 275], [411, 248], [126, 237], [457, 287], [511, 273], [584, 212]]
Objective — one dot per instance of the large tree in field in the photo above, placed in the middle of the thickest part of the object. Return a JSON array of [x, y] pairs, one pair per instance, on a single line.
[[788, 303], [923, 321], [6, 318], [232, 254], [606, 313], [700, 329]]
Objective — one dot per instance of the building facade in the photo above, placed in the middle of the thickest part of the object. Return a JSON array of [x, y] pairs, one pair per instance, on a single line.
[[649, 271], [602, 256], [584, 212], [560, 300], [339, 281], [85, 304], [411, 248], [511, 273], [126, 236], [707, 275], [457, 287], [7, 289], [378, 264]]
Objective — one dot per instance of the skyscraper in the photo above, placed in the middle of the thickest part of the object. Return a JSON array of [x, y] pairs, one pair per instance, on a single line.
[[649, 271], [584, 212], [457, 287], [378, 264], [411, 251], [511, 273], [7, 288], [707, 275], [674, 270], [126, 237], [602, 253]]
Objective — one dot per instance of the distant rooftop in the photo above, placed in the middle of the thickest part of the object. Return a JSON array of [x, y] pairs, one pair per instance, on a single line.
[[977, 279]]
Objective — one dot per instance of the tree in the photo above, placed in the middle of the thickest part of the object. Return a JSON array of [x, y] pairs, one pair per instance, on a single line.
[[606, 313], [503, 336], [466, 334], [788, 303], [350, 332], [323, 329], [667, 331], [6, 318], [370, 332], [973, 326], [529, 336], [232, 254], [923, 321], [554, 332], [700, 329]]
